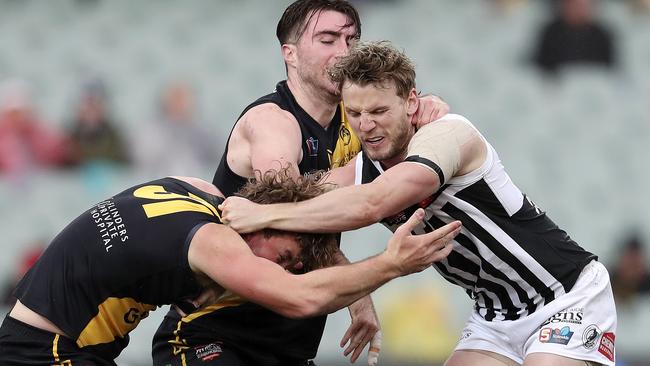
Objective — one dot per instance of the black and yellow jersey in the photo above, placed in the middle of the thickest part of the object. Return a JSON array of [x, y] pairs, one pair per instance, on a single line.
[[322, 148], [117, 261], [251, 326]]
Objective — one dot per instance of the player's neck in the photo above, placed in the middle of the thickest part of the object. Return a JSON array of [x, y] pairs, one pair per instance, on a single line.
[[389, 163], [317, 103]]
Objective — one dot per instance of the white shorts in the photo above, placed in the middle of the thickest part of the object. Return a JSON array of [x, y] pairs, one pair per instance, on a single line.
[[580, 325]]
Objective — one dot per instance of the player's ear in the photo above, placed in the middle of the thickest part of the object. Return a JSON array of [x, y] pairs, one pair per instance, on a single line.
[[412, 102], [289, 54]]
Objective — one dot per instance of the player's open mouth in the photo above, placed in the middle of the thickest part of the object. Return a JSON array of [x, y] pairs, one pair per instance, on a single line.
[[374, 140]]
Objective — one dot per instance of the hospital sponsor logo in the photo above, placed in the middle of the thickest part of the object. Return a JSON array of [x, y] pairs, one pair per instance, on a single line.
[[208, 352], [606, 346], [590, 336], [555, 335]]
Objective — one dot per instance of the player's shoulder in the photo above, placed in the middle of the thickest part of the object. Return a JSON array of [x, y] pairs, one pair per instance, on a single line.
[[269, 114], [451, 118], [446, 124]]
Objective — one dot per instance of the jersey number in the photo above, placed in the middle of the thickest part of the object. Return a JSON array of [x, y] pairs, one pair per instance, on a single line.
[[171, 203]]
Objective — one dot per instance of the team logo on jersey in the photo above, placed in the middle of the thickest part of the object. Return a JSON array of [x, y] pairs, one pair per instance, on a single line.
[[555, 335], [606, 346], [208, 352], [312, 146], [570, 315], [590, 336], [344, 135]]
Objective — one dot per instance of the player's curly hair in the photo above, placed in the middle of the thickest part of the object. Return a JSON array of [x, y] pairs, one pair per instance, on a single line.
[[378, 63], [276, 186]]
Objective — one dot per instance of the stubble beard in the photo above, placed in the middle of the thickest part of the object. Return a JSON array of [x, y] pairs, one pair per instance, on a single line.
[[398, 145], [321, 85]]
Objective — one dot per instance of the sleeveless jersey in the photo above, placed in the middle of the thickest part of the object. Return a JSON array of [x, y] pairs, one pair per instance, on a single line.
[[117, 261], [249, 323], [321, 148], [509, 257]]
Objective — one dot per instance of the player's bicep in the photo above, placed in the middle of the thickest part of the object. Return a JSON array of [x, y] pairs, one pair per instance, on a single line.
[[275, 139], [403, 185]]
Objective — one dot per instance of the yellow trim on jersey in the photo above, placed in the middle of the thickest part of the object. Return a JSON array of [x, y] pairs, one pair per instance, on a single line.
[[55, 353], [172, 202], [116, 317], [55, 348], [347, 145], [226, 300], [231, 300]]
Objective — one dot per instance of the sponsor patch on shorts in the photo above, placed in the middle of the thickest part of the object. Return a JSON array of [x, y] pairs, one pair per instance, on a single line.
[[572, 315], [555, 335], [590, 336], [208, 351], [606, 346]]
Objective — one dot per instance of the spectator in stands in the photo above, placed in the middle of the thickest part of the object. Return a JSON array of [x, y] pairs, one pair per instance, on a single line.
[[176, 142], [574, 36], [93, 132], [25, 140], [630, 274]]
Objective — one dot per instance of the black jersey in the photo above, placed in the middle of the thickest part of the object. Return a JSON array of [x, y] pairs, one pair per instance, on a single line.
[[250, 324], [321, 148], [117, 261], [510, 257]]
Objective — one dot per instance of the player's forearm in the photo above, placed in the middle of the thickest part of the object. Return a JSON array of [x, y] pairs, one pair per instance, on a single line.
[[334, 288], [339, 210]]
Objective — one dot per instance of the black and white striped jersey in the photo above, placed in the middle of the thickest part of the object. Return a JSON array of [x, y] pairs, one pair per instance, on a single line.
[[509, 257]]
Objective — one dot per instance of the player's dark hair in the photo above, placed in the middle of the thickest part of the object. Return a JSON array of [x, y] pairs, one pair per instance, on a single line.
[[296, 16]]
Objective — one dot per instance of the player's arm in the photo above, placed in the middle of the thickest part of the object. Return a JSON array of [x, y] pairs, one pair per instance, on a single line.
[[437, 152], [219, 253], [355, 206], [343, 176], [270, 139]]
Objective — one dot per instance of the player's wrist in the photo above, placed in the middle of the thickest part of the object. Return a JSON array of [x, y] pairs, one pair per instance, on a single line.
[[389, 265]]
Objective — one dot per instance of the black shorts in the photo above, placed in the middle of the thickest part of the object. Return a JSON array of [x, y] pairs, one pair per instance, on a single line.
[[215, 352], [23, 344]]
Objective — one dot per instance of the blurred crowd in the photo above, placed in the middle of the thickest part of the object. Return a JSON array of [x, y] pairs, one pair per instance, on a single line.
[[176, 140]]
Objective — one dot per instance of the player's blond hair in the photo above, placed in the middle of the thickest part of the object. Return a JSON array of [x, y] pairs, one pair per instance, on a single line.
[[376, 63]]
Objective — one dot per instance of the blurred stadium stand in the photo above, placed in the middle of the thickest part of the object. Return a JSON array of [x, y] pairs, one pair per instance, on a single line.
[[574, 144]]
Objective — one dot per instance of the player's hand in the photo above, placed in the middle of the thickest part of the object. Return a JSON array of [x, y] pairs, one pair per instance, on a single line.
[[430, 108], [365, 325], [413, 253], [242, 215]]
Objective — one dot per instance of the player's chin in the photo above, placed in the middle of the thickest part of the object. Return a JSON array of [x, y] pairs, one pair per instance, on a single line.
[[333, 88]]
